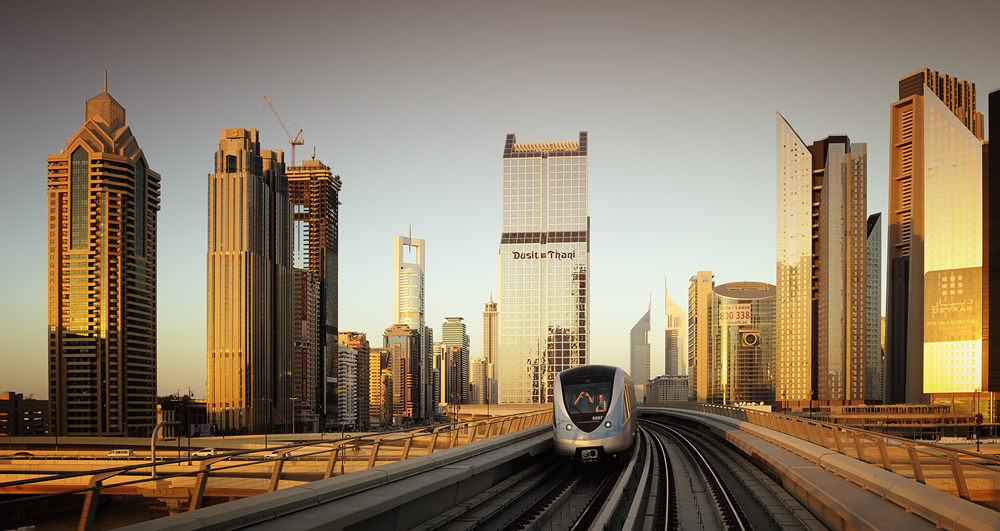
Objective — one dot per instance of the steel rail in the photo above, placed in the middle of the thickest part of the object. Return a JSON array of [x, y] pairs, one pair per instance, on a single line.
[[666, 501], [729, 509]]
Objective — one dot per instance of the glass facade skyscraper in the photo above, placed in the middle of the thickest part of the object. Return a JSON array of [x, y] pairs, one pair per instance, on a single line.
[[934, 288], [453, 334], [639, 356], [675, 335], [544, 267], [821, 267], [408, 309]]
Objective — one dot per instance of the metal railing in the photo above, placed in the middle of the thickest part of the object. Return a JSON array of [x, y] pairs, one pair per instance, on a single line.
[[968, 475], [107, 498]]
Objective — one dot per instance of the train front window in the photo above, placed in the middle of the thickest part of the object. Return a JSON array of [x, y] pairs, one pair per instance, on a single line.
[[587, 398]]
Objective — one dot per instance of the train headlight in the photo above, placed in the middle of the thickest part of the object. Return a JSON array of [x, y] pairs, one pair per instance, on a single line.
[[607, 424], [569, 427]]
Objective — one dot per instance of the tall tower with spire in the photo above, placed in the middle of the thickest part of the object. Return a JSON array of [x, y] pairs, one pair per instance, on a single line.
[[103, 203]]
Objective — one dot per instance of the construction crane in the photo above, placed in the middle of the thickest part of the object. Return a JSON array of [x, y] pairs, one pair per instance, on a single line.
[[297, 141]]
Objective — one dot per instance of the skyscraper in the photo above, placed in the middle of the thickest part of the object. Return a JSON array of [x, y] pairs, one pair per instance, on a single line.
[[103, 203], [741, 366], [639, 356], [408, 309], [249, 300], [991, 237], [379, 386], [478, 380], [403, 346], [934, 288], [358, 341], [306, 363], [700, 346], [874, 372], [675, 334], [453, 334], [491, 348], [313, 191], [544, 264], [822, 254]]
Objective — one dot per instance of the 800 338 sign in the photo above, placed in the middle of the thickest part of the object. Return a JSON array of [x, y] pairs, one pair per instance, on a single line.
[[734, 314]]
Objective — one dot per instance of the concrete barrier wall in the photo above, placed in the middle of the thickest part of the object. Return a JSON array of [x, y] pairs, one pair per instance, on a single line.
[[810, 473]]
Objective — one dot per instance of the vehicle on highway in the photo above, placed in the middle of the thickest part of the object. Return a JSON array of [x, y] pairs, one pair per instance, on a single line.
[[120, 453], [278, 453], [594, 413], [205, 452], [21, 455]]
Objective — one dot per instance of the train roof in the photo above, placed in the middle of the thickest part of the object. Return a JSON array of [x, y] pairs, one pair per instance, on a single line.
[[589, 371]]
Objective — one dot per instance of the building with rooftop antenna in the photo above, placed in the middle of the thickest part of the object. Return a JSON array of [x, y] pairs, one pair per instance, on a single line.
[[103, 201]]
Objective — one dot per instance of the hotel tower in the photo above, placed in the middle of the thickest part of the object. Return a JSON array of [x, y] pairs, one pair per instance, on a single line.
[[103, 200], [935, 283], [249, 299], [821, 267], [544, 264]]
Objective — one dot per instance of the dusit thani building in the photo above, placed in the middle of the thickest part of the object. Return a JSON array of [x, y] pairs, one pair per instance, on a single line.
[[544, 265]]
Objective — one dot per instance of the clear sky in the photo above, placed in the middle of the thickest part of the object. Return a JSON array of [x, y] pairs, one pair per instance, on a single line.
[[409, 102]]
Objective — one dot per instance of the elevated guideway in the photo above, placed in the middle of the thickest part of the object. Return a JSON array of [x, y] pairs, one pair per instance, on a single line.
[[430, 479]]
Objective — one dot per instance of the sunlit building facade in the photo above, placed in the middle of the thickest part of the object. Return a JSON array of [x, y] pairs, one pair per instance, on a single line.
[[478, 380], [453, 334], [935, 303], [358, 341], [103, 201], [491, 348], [379, 381], [408, 309], [314, 190], [675, 336], [821, 267], [544, 267], [249, 296], [403, 346], [667, 388], [639, 356], [699, 329], [742, 367]]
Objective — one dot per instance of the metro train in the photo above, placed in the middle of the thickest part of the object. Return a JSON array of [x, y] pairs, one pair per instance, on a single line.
[[594, 413]]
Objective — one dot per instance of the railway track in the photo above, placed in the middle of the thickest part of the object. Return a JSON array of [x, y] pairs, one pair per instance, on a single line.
[[673, 479], [716, 488]]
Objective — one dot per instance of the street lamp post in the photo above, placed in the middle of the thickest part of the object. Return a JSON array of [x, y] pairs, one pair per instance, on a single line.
[[152, 443], [293, 399]]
